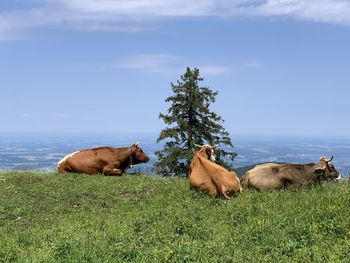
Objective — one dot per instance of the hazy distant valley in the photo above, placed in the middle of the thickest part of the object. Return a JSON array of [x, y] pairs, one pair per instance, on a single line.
[[41, 152]]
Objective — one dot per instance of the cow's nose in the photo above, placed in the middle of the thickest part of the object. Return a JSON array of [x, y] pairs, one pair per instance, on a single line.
[[339, 177]]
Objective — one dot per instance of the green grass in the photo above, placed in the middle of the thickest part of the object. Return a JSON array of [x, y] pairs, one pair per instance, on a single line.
[[78, 218]]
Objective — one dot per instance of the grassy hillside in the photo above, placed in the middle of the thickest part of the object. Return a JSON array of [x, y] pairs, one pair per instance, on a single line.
[[76, 218]]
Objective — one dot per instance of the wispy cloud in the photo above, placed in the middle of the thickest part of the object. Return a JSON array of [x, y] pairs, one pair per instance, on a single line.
[[172, 64], [326, 11], [14, 22], [252, 65], [329, 11], [150, 62], [26, 115], [136, 8], [216, 70], [8, 25], [51, 115], [103, 27], [130, 15]]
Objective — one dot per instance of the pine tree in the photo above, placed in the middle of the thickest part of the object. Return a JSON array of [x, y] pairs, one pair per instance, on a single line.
[[190, 121]]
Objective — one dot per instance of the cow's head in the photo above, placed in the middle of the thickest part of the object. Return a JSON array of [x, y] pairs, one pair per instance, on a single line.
[[206, 151], [325, 170], [138, 156]]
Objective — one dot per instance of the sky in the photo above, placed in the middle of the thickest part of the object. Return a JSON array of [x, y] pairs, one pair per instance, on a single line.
[[282, 67]]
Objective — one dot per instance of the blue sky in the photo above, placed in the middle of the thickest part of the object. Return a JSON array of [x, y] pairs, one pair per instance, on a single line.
[[281, 67]]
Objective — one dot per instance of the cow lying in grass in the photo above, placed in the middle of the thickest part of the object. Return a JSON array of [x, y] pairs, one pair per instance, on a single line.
[[104, 160], [205, 175], [290, 176]]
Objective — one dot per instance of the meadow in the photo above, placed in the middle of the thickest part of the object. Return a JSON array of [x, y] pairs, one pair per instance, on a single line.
[[49, 217]]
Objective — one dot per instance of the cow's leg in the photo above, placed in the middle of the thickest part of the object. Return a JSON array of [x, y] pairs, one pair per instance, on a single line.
[[213, 193], [292, 187], [225, 195], [112, 171], [222, 190], [217, 188]]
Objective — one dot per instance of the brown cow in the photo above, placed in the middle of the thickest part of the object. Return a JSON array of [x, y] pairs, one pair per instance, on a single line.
[[290, 176], [103, 160], [207, 176]]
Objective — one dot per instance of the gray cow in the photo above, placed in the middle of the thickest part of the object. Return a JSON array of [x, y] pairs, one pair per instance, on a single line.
[[276, 176]]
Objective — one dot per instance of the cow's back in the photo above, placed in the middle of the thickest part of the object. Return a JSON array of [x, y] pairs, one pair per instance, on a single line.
[[214, 179], [273, 176], [263, 176], [89, 161], [85, 161], [201, 181]]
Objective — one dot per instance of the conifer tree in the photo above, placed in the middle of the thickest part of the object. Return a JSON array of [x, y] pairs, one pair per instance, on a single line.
[[190, 121]]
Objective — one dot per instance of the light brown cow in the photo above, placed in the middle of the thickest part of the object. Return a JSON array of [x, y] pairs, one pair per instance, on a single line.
[[275, 176], [205, 175], [103, 160]]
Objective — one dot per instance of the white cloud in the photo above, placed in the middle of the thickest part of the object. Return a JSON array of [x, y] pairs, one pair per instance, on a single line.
[[57, 115], [14, 22], [130, 15], [166, 63], [102, 27], [141, 7], [26, 115], [327, 11], [4, 28], [153, 62], [216, 70], [8, 25], [171, 64], [252, 65], [51, 115]]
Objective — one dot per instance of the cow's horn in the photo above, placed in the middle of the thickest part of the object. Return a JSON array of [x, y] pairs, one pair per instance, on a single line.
[[216, 145], [197, 145], [329, 160], [136, 143]]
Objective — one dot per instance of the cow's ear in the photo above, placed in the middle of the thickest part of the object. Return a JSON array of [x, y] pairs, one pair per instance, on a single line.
[[135, 144], [208, 151]]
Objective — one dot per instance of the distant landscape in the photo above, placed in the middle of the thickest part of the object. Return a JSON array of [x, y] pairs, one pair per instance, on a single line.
[[40, 152]]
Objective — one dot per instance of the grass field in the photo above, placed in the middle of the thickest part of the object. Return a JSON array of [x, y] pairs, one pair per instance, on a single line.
[[77, 218]]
